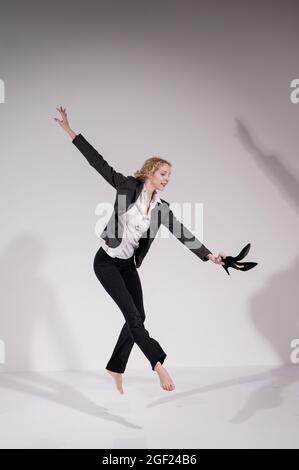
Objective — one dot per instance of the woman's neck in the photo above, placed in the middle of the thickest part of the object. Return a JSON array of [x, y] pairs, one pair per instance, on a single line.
[[150, 190]]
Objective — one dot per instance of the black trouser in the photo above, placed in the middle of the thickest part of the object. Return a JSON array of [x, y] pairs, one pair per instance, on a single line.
[[120, 279]]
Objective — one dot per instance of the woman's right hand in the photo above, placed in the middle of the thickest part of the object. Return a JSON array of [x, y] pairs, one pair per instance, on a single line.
[[64, 123]]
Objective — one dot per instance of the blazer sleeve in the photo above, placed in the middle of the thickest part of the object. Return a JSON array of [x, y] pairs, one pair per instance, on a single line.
[[96, 160], [185, 236]]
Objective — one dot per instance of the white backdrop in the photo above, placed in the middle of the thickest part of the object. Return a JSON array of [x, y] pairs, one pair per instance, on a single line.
[[206, 86]]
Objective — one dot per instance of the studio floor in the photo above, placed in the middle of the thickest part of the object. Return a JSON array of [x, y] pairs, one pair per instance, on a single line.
[[237, 407]]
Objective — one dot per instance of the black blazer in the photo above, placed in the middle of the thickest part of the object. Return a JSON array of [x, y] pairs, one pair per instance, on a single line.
[[128, 188]]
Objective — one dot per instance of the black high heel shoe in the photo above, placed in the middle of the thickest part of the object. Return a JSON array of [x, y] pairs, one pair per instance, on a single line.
[[234, 261]]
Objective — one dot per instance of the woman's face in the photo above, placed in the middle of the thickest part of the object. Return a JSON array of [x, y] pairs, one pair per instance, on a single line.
[[161, 177]]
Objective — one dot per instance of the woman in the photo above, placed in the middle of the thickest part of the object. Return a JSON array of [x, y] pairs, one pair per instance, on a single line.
[[138, 213]]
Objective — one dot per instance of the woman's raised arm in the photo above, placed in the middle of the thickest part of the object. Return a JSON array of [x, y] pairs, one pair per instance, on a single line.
[[96, 160]]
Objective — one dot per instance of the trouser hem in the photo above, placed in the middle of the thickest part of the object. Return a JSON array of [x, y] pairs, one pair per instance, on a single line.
[[161, 360], [114, 369]]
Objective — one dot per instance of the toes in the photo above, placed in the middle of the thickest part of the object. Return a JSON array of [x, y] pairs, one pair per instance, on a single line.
[[169, 387]]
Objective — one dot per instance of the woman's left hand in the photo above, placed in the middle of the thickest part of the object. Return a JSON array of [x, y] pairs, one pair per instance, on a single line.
[[217, 259]]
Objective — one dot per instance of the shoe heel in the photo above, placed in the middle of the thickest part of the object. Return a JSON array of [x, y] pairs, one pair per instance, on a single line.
[[226, 269]]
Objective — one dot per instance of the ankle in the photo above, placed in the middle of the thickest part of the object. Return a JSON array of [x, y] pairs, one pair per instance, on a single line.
[[158, 366]]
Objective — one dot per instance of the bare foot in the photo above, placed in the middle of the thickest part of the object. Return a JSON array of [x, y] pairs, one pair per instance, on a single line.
[[118, 380], [165, 379]]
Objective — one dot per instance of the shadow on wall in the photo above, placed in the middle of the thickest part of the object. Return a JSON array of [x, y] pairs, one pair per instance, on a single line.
[[274, 310], [29, 301]]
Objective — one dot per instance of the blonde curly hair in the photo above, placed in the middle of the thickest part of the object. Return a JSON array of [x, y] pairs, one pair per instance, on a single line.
[[149, 167]]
